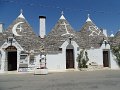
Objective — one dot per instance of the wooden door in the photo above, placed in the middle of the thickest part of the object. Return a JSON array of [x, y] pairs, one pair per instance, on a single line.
[[69, 58], [105, 59], [12, 61]]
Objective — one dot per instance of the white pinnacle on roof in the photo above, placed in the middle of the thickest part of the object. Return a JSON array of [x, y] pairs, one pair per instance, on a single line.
[[112, 35], [21, 14], [88, 19], [62, 17]]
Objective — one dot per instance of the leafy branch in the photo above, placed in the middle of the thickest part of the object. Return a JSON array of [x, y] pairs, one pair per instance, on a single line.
[[116, 52], [82, 59]]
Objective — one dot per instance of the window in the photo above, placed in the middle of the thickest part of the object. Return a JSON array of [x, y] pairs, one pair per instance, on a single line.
[[60, 49], [23, 56], [23, 59]]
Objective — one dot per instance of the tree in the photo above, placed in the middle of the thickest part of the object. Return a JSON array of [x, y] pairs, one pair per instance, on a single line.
[[116, 52], [82, 59]]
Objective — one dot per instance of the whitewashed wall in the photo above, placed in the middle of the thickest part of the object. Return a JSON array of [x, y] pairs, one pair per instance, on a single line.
[[113, 64], [96, 55], [57, 62]]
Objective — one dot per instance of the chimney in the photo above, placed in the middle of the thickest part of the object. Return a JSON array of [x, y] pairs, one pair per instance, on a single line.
[[105, 32], [42, 31], [1, 27]]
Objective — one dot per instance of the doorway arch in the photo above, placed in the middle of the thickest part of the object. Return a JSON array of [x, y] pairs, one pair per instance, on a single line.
[[11, 58], [69, 56]]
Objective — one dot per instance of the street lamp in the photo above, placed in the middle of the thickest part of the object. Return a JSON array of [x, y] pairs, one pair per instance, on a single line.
[[70, 38], [10, 40]]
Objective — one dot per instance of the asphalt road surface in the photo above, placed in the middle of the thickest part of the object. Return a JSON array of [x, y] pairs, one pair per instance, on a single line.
[[91, 80]]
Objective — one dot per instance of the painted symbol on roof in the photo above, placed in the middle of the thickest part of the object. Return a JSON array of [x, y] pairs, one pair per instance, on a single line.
[[94, 30], [67, 32], [17, 26]]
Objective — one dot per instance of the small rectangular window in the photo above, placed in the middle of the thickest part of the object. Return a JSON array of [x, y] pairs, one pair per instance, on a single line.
[[23, 56], [23, 59], [78, 48], [60, 49]]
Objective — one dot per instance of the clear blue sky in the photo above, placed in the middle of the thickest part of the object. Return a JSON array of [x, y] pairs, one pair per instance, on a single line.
[[104, 13]]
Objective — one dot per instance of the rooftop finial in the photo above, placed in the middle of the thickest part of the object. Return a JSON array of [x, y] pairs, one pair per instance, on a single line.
[[88, 19], [62, 17], [88, 15], [119, 30], [62, 13], [21, 14], [112, 35], [21, 11]]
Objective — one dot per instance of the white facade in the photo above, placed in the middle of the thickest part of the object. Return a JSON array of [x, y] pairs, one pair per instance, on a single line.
[[4, 61], [96, 55], [4, 57], [57, 62]]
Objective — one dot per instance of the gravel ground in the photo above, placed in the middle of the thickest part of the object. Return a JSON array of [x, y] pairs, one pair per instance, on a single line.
[[77, 80]]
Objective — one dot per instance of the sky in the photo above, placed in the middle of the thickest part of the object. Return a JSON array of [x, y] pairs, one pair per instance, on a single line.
[[104, 13]]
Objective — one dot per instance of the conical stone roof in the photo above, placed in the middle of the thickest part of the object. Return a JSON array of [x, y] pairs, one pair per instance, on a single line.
[[91, 35], [27, 38], [116, 39], [61, 32]]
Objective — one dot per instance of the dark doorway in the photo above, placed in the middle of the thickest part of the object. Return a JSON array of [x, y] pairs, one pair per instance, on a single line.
[[105, 58], [12, 61], [69, 58], [12, 58]]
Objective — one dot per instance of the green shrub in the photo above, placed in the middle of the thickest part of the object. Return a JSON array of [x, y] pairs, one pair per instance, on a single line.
[[116, 52], [82, 59]]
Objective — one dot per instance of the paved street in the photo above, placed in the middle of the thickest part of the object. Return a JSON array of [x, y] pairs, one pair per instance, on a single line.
[[91, 80]]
